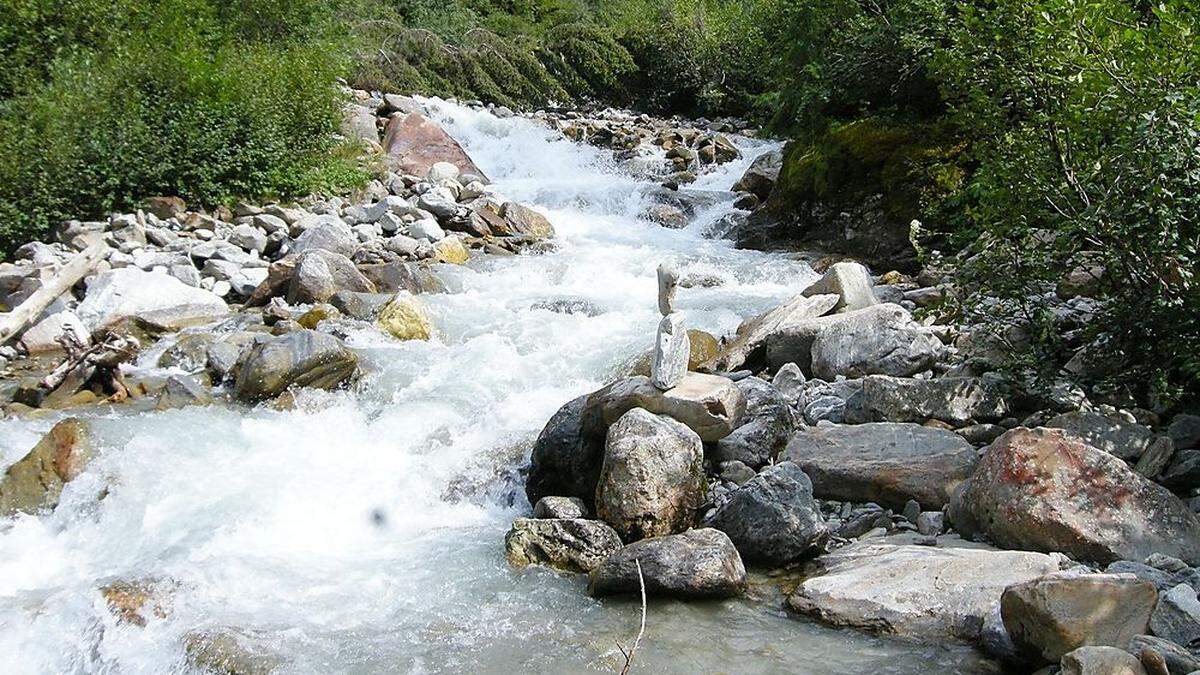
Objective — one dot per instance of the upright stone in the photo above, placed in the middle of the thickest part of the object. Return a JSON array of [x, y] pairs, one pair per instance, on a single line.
[[668, 281], [672, 349]]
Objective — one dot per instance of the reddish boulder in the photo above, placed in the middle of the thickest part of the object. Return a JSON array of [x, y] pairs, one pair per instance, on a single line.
[[1041, 490], [417, 143]]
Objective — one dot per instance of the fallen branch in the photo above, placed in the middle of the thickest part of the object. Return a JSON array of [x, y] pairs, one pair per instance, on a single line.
[[642, 630], [77, 268]]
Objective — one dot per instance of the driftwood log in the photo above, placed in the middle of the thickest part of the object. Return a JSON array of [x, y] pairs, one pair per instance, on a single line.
[[12, 323]]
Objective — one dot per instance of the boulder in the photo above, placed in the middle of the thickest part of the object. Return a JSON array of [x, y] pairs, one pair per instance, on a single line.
[[45, 335], [918, 591], [1177, 616], [850, 281], [416, 144], [572, 545], [1101, 661], [886, 463], [158, 298], [1038, 489], [560, 507], [522, 220], [1178, 660], [35, 482], [773, 518], [404, 317], [564, 461], [1057, 614], [767, 426], [652, 478], [400, 276], [954, 400], [754, 333], [319, 274], [695, 564], [709, 405], [1183, 473], [303, 358], [761, 175], [1119, 438], [881, 339], [1185, 431], [325, 233], [451, 250], [182, 390]]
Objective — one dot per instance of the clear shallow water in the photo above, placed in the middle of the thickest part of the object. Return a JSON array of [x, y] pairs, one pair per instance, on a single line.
[[362, 532]]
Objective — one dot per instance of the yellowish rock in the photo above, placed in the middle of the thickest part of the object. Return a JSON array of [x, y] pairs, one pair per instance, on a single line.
[[35, 483], [451, 250], [405, 318]]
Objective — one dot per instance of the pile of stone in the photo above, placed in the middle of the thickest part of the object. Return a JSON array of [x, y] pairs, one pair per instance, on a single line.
[[263, 272], [837, 434]]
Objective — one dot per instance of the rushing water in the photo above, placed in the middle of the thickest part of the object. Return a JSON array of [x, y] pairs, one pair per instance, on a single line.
[[362, 531]]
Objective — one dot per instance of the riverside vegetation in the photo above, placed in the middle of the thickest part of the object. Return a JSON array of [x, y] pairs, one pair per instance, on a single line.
[[990, 378]]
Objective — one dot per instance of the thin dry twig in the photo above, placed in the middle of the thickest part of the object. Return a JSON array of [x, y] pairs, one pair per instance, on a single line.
[[642, 630]]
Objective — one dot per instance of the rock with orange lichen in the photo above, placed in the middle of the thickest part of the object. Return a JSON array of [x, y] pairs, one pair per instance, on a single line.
[[1041, 490]]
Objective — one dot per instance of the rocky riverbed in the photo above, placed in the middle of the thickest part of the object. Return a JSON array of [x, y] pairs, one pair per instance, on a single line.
[[423, 428]]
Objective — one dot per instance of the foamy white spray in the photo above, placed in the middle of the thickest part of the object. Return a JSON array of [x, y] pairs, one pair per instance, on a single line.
[[362, 532]]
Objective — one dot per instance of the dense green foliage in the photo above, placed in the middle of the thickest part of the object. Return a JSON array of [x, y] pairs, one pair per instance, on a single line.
[[107, 102]]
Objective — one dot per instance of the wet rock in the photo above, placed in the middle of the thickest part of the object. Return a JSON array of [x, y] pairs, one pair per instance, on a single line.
[[919, 591], [229, 652], [767, 426], [652, 477], [1178, 660], [564, 461], [399, 276], [761, 175], [773, 518], [1177, 616], [709, 405], [359, 305], [183, 390], [696, 564], [883, 462], [560, 507], [404, 317], [319, 274], [1056, 614], [756, 332], [955, 400], [416, 144], [1101, 661], [522, 220], [850, 281], [158, 298], [1039, 489], [35, 482], [304, 358], [666, 215], [672, 350], [1117, 437], [135, 602], [572, 545]]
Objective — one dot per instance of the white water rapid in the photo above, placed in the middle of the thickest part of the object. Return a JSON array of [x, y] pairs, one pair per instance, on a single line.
[[362, 532]]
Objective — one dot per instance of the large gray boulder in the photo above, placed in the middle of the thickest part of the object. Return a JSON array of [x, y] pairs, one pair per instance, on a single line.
[[325, 233], [851, 282], [1039, 489], [773, 518], [695, 564], [565, 462], [1119, 438], [917, 591], [1183, 473], [754, 333], [304, 358], [767, 425], [759, 178], [954, 400], [572, 545], [883, 462], [652, 478], [158, 298], [1057, 614], [320, 274], [710, 405], [1177, 616], [881, 339]]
